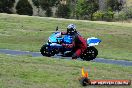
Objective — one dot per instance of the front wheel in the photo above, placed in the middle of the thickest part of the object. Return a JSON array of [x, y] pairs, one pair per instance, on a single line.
[[89, 54], [45, 51]]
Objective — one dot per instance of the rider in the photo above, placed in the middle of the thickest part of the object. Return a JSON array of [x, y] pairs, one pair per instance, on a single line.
[[79, 43]]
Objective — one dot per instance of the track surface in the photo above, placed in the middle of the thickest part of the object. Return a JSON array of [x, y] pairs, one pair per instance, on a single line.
[[36, 54]]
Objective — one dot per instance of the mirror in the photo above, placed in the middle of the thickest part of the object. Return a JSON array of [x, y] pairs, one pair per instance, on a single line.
[[57, 28]]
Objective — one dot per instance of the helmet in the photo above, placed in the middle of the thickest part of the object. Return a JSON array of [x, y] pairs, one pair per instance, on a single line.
[[71, 29]]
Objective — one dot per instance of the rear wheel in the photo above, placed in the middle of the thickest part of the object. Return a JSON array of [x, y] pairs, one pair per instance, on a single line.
[[46, 52], [89, 54]]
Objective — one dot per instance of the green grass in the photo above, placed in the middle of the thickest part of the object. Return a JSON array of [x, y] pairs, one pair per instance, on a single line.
[[44, 72], [29, 33]]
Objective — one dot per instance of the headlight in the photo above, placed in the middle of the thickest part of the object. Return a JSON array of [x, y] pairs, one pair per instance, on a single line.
[[49, 40]]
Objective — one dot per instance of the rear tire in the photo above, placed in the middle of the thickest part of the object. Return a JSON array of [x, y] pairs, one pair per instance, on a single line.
[[89, 54]]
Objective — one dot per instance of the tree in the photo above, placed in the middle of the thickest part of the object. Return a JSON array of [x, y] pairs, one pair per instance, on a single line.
[[79, 8], [63, 11], [24, 8], [6, 5], [115, 5], [46, 5], [86, 7], [36, 3]]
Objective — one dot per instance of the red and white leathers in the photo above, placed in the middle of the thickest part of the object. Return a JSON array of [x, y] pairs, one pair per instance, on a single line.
[[79, 45]]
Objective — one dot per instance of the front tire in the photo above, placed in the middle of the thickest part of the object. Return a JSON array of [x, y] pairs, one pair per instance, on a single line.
[[89, 54], [45, 51]]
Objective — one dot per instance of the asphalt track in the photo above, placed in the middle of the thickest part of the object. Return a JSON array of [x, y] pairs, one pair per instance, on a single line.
[[36, 54]]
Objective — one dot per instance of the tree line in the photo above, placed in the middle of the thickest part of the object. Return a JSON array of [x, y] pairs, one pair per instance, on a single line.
[[77, 9]]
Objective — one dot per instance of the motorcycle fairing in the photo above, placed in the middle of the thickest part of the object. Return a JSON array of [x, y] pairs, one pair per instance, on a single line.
[[93, 41]]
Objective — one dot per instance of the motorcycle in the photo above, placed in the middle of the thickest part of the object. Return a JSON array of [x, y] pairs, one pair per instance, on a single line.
[[54, 46]]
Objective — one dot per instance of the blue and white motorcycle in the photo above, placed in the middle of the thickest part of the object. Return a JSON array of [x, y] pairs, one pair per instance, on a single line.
[[54, 46]]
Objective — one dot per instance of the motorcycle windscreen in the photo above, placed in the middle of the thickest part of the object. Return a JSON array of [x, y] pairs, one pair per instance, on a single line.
[[93, 41], [54, 36]]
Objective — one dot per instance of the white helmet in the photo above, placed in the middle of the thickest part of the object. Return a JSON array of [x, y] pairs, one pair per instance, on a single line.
[[71, 26], [71, 29]]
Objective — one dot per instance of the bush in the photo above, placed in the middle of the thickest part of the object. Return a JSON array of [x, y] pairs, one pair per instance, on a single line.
[[125, 14], [103, 15], [98, 15], [24, 8], [121, 16], [128, 11], [108, 15]]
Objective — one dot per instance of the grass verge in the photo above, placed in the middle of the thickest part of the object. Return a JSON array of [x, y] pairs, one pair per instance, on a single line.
[[43, 72]]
